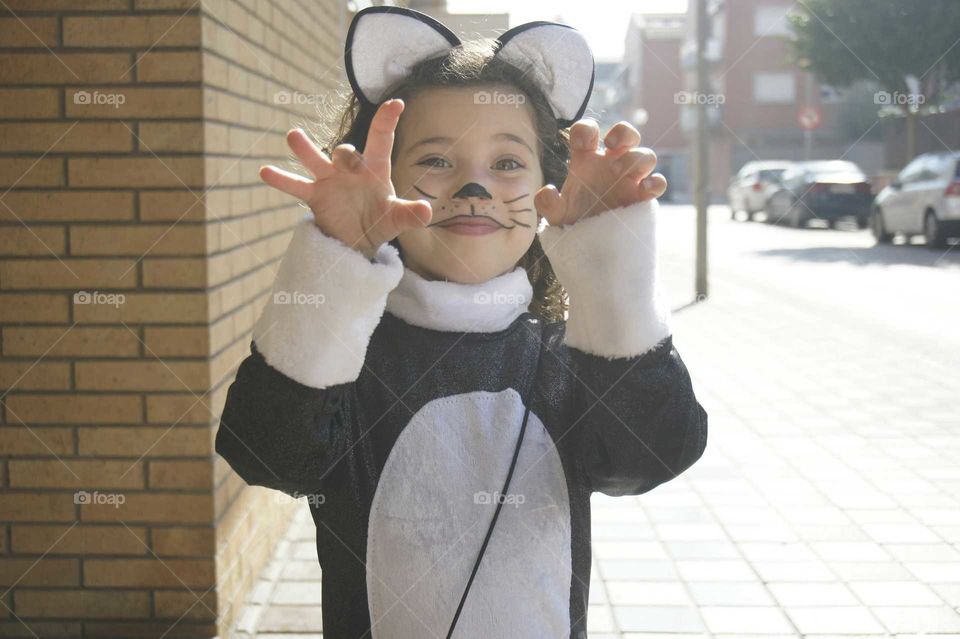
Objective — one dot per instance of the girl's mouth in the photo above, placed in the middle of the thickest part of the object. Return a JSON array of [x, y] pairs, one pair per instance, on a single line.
[[470, 225]]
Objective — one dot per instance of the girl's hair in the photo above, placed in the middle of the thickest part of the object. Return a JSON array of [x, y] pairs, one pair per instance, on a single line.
[[469, 64]]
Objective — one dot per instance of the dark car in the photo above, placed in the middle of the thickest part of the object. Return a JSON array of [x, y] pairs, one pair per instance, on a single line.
[[828, 190]]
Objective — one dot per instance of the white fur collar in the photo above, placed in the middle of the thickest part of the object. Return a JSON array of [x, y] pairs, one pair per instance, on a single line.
[[453, 306]]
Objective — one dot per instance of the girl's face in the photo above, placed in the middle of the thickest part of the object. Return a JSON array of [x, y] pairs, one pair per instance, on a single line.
[[473, 154]]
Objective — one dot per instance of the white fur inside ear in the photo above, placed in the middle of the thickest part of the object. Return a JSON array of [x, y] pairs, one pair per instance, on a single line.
[[386, 45], [608, 265], [560, 59], [326, 301]]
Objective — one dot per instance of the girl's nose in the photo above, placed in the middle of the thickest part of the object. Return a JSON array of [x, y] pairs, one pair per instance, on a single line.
[[472, 189]]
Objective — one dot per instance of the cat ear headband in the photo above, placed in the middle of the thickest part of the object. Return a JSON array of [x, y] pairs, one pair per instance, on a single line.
[[385, 42]]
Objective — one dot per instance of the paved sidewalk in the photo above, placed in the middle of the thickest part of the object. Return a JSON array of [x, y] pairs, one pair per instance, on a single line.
[[825, 506]]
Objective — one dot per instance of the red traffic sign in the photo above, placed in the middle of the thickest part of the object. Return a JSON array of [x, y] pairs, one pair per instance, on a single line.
[[809, 118]]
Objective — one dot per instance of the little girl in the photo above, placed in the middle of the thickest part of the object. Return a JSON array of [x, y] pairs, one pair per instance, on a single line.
[[414, 373]]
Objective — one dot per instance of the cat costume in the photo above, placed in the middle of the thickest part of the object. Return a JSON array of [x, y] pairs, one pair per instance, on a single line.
[[400, 404]]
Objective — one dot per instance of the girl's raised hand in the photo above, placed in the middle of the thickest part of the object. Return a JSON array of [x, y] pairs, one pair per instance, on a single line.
[[598, 181], [352, 197]]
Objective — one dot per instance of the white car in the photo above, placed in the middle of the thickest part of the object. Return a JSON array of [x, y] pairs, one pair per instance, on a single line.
[[924, 199], [753, 183]]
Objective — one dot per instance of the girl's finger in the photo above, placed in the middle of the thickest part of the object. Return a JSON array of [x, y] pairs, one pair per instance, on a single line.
[[621, 135], [291, 183], [653, 186], [636, 163], [547, 203], [313, 158], [380, 137], [346, 158], [584, 136]]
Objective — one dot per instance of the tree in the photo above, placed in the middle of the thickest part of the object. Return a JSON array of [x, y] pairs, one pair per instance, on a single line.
[[887, 41]]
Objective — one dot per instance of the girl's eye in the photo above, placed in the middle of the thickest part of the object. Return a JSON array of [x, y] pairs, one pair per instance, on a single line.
[[431, 161], [500, 163]]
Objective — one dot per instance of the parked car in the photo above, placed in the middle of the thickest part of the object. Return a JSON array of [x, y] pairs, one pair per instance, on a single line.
[[825, 189], [753, 183], [923, 199]]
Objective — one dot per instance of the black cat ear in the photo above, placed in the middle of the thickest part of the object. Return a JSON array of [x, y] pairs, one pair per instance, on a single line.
[[385, 42], [558, 59]]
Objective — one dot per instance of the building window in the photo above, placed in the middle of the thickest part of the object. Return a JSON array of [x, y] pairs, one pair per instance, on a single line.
[[771, 21], [774, 88]]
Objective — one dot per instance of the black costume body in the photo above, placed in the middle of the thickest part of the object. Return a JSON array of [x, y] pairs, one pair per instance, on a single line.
[[404, 461]]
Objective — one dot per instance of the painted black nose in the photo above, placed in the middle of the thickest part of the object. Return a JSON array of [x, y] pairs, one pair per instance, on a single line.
[[472, 189]]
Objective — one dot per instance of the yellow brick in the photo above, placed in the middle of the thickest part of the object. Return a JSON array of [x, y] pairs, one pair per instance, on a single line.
[[170, 375], [66, 205], [65, 68], [179, 408], [156, 31], [67, 5], [83, 604], [134, 102], [175, 273], [79, 540], [28, 104], [140, 573], [26, 172], [179, 441], [74, 409], [39, 572], [153, 507], [21, 307], [28, 31], [177, 341], [140, 240], [35, 240], [28, 375], [184, 206], [172, 604], [38, 506], [136, 172], [180, 474], [63, 137], [171, 136], [183, 541], [17, 439], [169, 66], [78, 474], [72, 274], [156, 308], [65, 342]]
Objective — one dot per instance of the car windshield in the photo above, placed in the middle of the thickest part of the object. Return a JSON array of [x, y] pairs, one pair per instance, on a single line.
[[768, 175]]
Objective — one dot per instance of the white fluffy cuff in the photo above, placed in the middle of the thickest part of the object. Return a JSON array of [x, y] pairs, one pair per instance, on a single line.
[[327, 300], [608, 265]]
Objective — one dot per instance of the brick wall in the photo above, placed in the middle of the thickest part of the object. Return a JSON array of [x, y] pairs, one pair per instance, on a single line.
[[137, 246]]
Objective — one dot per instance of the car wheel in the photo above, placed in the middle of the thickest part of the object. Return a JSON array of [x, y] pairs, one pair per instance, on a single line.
[[795, 215], [933, 231], [878, 228]]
